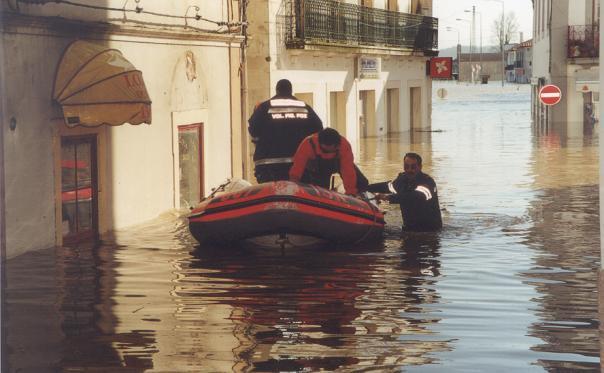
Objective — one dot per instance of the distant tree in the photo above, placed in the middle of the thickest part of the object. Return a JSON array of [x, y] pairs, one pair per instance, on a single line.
[[510, 28]]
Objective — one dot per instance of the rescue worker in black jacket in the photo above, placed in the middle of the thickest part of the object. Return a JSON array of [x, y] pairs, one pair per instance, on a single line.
[[277, 127], [416, 194]]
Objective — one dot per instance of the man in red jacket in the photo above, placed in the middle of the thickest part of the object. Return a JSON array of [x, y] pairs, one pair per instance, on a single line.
[[321, 155]]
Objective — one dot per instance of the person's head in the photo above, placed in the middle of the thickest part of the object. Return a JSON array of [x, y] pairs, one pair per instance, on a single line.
[[413, 164], [284, 88], [329, 140]]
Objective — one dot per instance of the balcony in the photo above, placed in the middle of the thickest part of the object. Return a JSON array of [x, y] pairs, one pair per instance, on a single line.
[[583, 41], [334, 23]]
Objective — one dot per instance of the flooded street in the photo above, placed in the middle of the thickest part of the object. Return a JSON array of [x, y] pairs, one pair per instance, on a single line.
[[509, 285]]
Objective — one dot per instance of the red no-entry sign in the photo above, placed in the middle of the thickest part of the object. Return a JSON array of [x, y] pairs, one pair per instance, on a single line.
[[550, 94]]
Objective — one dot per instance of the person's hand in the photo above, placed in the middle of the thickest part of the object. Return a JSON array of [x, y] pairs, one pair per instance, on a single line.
[[381, 197]]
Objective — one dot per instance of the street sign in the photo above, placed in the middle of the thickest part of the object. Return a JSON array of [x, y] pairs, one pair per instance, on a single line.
[[441, 93], [550, 94]]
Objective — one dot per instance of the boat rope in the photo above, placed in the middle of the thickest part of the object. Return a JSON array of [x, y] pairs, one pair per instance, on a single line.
[[367, 201], [219, 188]]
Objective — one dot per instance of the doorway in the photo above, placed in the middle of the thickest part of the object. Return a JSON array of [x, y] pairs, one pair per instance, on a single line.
[[367, 114], [337, 112], [306, 97], [79, 189], [415, 108], [190, 163], [392, 110]]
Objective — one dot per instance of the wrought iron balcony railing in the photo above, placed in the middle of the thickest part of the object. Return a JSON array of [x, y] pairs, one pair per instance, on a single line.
[[330, 22], [584, 41]]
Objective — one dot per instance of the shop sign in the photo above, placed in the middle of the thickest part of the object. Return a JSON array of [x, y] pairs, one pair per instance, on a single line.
[[587, 86], [442, 67]]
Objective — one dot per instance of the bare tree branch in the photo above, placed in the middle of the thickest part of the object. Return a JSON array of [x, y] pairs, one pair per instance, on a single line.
[[510, 29]]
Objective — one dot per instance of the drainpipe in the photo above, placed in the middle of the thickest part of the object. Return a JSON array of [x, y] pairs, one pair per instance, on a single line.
[[601, 31], [244, 92], [3, 328]]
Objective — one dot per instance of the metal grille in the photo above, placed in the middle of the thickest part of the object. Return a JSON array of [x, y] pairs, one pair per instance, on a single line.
[[584, 41], [331, 22]]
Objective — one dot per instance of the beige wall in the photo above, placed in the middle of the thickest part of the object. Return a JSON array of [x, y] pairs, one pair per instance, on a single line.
[[320, 74], [28, 150], [215, 10], [259, 87], [138, 175], [330, 70], [491, 68]]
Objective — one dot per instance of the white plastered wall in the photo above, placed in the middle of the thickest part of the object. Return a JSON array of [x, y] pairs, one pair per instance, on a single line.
[[138, 180], [152, 188], [28, 150]]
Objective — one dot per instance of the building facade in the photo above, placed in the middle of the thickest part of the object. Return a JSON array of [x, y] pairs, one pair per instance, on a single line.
[[483, 64], [572, 65], [69, 177], [361, 64], [519, 62]]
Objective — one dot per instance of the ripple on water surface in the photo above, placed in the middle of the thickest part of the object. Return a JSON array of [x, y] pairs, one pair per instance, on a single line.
[[508, 285]]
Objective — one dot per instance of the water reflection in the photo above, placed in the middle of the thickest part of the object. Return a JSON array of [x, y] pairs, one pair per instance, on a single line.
[[311, 311], [564, 232], [59, 314], [565, 273], [508, 285]]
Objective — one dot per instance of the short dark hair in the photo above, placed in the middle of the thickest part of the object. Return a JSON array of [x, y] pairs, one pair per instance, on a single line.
[[284, 87], [329, 136], [415, 156]]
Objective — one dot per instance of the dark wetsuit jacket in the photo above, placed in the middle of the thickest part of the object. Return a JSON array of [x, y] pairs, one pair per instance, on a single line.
[[418, 199], [279, 125]]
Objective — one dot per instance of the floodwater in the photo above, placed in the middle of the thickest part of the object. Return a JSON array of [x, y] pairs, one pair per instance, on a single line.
[[509, 285]]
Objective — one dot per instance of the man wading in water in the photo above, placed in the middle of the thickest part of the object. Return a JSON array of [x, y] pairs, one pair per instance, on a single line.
[[416, 194]]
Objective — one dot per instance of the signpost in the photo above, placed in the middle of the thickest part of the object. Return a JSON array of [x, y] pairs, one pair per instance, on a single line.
[[550, 94]]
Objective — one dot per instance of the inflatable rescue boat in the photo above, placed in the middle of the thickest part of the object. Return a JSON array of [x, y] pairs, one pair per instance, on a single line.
[[283, 213]]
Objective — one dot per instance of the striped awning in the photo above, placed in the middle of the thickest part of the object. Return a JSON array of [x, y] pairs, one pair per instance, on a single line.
[[96, 85]]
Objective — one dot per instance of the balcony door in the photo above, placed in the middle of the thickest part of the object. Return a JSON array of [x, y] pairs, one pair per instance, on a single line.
[[367, 26], [79, 206], [416, 7]]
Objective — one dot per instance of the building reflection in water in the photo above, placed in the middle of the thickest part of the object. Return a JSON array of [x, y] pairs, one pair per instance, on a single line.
[[564, 232], [59, 306], [142, 306]]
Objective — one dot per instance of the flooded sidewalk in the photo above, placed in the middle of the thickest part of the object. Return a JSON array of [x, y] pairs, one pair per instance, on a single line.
[[509, 285]]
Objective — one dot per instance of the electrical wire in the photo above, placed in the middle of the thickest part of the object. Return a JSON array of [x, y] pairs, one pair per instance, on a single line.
[[140, 10]]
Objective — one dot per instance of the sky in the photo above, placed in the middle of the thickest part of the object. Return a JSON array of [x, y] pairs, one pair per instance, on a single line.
[[448, 10]]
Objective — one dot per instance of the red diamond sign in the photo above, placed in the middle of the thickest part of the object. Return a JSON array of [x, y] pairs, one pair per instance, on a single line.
[[550, 94]]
